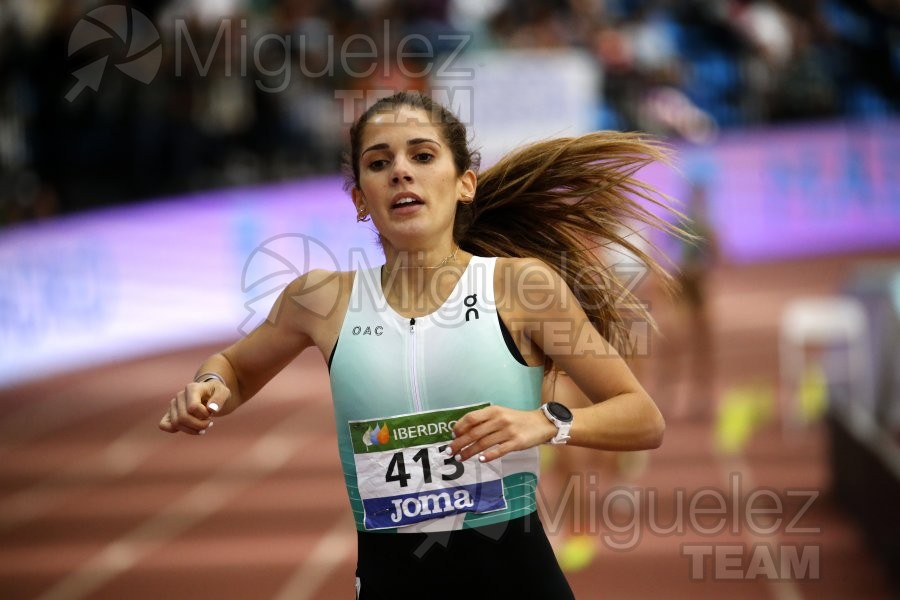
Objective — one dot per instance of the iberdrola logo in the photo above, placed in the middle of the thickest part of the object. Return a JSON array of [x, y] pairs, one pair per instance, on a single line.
[[377, 436]]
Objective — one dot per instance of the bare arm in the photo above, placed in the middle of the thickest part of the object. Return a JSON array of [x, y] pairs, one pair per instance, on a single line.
[[548, 320], [623, 416], [293, 324]]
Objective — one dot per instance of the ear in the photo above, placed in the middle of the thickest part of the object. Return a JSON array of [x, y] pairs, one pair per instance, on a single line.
[[466, 185], [359, 201]]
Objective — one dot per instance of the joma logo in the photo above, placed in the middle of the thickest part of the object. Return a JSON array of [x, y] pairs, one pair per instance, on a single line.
[[431, 504]]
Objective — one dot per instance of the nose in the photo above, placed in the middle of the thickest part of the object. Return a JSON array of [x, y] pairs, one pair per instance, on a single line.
[[401, 171]]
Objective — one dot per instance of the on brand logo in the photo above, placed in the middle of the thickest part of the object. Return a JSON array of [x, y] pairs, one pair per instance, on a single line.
[[470, 302]]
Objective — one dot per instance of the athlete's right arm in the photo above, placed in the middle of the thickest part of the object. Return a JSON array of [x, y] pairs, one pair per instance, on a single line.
[[293, 324]]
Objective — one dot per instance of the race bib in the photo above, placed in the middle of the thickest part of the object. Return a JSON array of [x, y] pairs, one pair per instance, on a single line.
[[404, 477]]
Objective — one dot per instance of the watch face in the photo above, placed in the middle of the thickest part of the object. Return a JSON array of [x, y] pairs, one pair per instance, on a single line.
[[560, 411]]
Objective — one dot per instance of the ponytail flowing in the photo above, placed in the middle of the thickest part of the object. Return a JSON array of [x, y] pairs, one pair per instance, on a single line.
[[565, 201]]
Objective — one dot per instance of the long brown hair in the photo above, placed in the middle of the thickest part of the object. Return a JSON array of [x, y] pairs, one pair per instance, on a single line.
[[562, 201]]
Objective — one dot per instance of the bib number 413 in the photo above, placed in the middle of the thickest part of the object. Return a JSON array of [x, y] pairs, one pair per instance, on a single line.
[[396, 471]]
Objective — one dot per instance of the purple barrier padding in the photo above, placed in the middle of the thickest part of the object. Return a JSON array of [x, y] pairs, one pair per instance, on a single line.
[[132, 280], [801, 191], [127, 281]]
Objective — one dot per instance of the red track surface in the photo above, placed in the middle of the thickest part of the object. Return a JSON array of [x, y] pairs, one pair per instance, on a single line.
[[95, 502]]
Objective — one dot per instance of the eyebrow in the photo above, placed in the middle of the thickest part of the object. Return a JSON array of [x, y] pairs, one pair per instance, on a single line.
[[412, 142]]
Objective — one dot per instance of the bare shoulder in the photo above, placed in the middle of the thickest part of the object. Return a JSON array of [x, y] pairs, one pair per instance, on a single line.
[[317, 299], [519, 281], [509, 265]]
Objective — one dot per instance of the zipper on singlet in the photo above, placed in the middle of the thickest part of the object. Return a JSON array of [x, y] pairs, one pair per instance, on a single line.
[[414, 375]]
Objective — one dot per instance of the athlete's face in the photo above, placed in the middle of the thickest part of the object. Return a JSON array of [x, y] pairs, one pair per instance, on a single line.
[[408, 181]]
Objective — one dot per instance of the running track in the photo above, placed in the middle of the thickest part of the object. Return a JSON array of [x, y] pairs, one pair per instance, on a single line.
[[95, 502]]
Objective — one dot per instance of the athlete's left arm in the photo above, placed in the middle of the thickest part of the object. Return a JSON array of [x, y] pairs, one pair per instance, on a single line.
[[542, 308]]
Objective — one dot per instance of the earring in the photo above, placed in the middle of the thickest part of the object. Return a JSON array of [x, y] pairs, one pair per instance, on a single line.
[[361, 216]]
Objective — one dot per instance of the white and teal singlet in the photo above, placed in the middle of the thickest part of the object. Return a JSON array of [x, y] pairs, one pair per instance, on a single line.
[[399, 385]]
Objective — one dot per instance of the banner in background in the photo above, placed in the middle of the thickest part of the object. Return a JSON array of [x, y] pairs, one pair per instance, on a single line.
[[802, 191], [134, 280]]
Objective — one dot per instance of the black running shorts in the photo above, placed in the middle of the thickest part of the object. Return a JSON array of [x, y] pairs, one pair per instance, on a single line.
[[506, 560]]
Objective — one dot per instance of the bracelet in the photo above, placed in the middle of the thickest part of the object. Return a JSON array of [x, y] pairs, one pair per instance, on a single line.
[[204, 377]]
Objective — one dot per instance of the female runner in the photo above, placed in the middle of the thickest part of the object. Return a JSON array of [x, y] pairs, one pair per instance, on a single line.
[[437, 357]]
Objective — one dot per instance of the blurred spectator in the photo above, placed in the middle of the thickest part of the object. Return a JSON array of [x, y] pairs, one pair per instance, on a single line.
[[260, 90], [696, 260]]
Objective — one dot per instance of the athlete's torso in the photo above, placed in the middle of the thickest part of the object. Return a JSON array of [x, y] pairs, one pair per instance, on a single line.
[[385, 365]]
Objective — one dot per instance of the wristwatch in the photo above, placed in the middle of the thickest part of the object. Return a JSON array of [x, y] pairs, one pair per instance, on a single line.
[[561, 416]]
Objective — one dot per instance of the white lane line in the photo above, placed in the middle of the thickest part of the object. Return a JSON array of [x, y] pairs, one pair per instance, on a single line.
[[42, 417], [119, 458], [267, 455], [334, 547], [783, 588]]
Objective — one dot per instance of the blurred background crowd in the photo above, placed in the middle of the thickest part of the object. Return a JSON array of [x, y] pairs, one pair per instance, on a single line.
[[685, 70]]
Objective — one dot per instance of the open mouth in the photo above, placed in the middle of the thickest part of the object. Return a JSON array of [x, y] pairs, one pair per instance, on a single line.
[[406, 200]]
